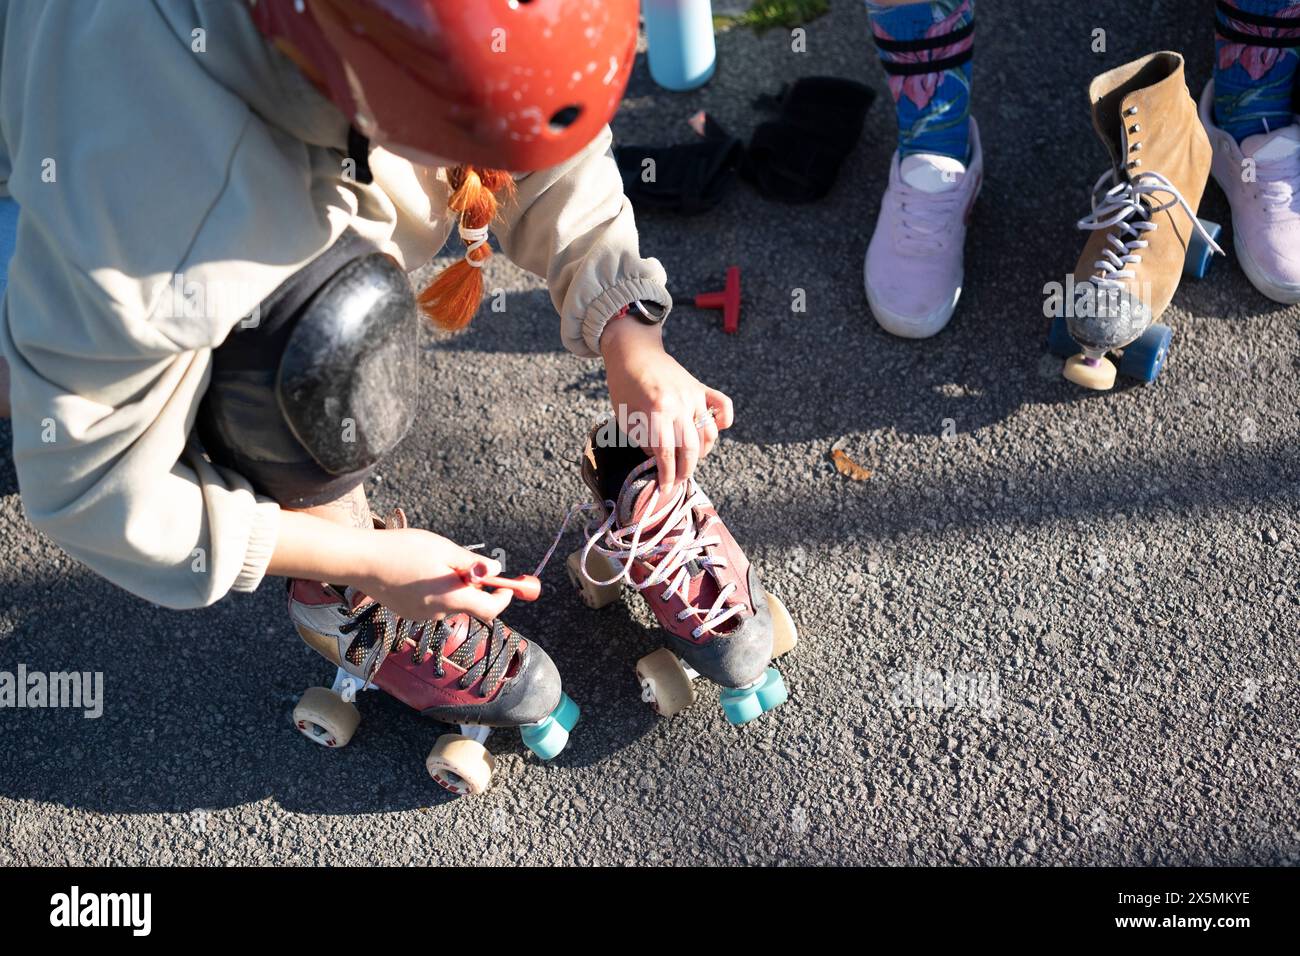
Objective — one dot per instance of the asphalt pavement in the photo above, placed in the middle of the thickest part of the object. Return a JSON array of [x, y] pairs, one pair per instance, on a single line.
[[1053, 627]]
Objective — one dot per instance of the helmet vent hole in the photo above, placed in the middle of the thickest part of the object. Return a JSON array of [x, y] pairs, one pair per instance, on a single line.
[[564, 118]]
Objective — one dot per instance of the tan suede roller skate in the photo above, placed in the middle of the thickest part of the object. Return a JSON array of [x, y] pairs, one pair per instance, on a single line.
[[1143, 231]]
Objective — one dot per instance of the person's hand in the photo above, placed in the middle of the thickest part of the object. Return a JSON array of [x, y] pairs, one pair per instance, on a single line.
[[647, 381], [416, 575]]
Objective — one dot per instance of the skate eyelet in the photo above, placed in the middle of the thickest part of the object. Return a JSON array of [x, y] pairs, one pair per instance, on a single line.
[[1135, 128]]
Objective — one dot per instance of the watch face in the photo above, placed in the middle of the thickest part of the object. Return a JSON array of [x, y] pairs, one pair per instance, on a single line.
[[650, 312]]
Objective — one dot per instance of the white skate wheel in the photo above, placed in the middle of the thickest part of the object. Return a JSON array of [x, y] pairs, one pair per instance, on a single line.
[[1099, 377], [594, 595], [325, 718], [665, 685], [460, 764], [784, 635]]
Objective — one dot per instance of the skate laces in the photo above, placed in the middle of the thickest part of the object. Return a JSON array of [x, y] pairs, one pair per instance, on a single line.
[[1118, 205], [379, 632], [675, 549]]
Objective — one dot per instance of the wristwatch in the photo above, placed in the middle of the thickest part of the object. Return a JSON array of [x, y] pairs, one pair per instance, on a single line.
[[651, 313]]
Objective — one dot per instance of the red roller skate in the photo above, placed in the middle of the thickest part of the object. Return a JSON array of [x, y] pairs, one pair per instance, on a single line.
[[719, 621], [457, 670]]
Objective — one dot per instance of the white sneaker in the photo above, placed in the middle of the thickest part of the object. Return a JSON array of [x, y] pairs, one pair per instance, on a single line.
[[913, 269], [1265, 204]]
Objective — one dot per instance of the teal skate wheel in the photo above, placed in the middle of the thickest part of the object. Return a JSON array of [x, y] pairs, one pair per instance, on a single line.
[[741, 704], [1144, 359], [772, 693], [566, 712], [1059, 341], [1199, 252], [546, 738]]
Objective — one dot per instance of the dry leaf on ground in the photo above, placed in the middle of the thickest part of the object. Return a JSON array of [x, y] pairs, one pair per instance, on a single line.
[[848, 467]]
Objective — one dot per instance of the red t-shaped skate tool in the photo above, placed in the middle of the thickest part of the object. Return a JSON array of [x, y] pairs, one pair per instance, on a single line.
[[728, 300], [526, 587]]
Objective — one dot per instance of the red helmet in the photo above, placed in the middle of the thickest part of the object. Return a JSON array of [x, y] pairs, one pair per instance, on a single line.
[[514, 84]]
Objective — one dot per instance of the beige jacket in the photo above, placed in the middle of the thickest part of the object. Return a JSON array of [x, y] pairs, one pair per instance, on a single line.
[[144, 141]]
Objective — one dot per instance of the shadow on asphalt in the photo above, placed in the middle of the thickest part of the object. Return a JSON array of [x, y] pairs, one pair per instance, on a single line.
[[187, 724], [964, 379], [197, 704]]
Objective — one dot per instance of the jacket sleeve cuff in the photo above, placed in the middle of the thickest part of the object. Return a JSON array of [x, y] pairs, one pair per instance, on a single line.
[[262, 537], [616, 298]]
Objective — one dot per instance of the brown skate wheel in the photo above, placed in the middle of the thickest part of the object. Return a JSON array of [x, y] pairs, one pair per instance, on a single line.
[[594, 595], [784, 635], [459, 764], [1099, 377], [323, 717], [665, 685]]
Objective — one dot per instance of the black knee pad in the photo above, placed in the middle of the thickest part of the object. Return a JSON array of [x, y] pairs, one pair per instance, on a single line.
[[307, 399]]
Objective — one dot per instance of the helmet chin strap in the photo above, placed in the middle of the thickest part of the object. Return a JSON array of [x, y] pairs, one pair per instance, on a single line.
[[359, 153]]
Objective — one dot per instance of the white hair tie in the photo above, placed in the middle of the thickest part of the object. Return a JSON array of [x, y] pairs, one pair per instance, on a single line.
[[473, 239]]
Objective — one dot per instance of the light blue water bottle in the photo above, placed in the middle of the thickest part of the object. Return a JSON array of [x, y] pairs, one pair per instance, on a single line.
[[679, 37]]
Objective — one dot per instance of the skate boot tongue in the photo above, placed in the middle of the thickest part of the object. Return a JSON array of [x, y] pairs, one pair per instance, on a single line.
[[634, 500], [931, 172], [633, 506], [1275, 145], [353, 597]]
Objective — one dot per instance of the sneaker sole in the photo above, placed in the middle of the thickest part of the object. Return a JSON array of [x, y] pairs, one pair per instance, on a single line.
[[1278, 292], [912, 327]]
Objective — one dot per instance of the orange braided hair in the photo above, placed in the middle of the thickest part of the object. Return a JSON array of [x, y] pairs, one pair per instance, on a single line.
[[453, 297]]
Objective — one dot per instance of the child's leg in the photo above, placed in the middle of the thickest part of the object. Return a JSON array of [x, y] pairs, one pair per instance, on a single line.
[[914, 264], [926, 49], [305, 410], [1257, 49]]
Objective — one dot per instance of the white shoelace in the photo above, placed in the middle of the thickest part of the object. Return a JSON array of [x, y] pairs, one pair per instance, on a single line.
[[625, 546], [1279, 185], [926, 218], [1117, 205]]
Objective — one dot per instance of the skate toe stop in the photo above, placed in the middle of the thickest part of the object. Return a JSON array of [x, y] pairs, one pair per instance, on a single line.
[[1098, 376], [549, 736]]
